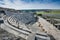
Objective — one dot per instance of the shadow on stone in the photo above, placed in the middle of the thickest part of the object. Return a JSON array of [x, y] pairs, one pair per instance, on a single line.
[[51, 37]]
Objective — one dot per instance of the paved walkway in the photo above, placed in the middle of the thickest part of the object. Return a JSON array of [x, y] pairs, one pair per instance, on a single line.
[[49, 28]]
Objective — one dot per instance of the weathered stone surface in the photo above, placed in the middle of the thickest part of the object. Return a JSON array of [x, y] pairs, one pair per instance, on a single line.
[[4, 35]]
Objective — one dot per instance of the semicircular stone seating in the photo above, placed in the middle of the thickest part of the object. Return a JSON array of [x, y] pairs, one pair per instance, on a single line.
[[22, 19]]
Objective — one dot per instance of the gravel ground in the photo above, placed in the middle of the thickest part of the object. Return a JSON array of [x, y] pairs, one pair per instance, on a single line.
[[7, 36]]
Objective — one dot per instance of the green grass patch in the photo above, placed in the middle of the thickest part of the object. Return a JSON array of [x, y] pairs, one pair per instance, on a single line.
[[48, 12]]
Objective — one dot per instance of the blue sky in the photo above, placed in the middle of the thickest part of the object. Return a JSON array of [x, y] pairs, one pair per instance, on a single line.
[[41, 1], [30, 4]]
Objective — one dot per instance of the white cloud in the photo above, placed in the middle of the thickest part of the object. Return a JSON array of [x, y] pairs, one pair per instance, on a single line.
[[18, 5]]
